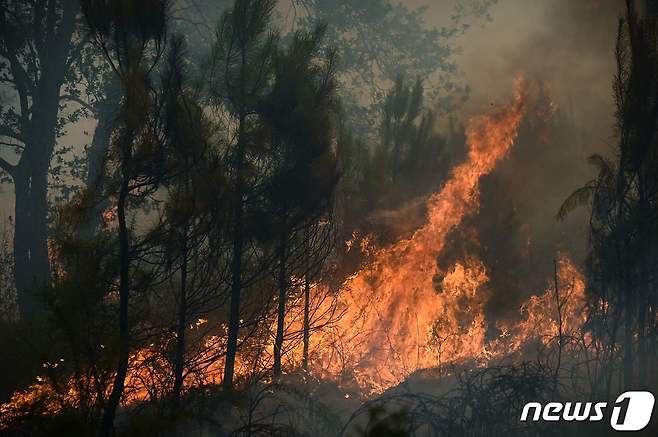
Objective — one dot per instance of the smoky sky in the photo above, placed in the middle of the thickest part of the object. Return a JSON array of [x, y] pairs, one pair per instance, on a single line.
[[566, 44], [566, 47], [569, 44]]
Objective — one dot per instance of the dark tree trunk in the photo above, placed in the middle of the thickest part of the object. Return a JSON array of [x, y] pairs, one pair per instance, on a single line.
[[236, 263], [28, 278], [281, 313], [96, 156], [651, 9], [629, 342], [107, 423], [643, 301], [179, 359], [234, 311], [307, 302], [32, 266]]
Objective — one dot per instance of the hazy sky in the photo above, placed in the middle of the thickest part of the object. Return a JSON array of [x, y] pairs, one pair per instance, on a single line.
[[569, 46], [567, 43]]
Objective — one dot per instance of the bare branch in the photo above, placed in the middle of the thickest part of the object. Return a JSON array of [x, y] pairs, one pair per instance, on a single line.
[[7, 132], [6, 166], [79, 101]]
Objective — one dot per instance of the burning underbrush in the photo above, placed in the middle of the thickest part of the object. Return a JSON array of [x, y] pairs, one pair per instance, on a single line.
[[399, 318]]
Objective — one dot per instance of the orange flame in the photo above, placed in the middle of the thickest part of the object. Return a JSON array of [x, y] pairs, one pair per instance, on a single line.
[[399, 313], [392, 306]]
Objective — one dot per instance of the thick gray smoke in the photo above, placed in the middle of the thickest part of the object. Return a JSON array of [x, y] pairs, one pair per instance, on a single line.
[[567, 46]]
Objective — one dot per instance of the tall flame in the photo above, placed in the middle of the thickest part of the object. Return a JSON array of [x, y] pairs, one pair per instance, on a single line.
[[392, 306]]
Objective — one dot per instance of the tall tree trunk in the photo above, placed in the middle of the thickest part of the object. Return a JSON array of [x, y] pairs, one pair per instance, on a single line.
[[107, 423], [307, 300], [281, 313], [234, 310], [629, 326], [32, 266], [179, 360], [236, 263], [651, 9], [96, 156], [560, 339], [181, 329], [28, 279], [643, 301], [31, 263]]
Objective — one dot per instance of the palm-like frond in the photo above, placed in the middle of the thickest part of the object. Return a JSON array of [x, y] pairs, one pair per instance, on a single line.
[[604, 181], [582, 196], [606, 169]]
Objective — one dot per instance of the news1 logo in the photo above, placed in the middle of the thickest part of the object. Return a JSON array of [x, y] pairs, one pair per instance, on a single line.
[[631, 411]]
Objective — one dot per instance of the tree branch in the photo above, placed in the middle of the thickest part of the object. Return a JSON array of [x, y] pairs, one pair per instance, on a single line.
[[7, 132], [12, 145], [24, 86], [79, 101], [6, 166]]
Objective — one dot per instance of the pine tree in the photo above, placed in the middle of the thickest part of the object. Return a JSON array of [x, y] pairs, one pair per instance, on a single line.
[[239, 79], [299, 114], [133, 36]]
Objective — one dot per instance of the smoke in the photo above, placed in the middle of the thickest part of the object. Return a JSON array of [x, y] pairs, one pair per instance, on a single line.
[[567, 44], [567, 47], [515, 231]]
